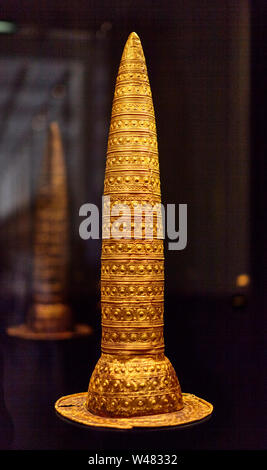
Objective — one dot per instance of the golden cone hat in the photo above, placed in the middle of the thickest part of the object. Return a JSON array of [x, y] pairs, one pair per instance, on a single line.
[[50, 311], [50, 316], [133, 383]]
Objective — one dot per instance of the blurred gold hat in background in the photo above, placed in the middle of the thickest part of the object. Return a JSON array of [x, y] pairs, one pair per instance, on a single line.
[[50, 316]]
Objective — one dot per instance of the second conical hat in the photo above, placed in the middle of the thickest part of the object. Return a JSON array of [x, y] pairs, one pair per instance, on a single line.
[[133, 383], [50, 315]]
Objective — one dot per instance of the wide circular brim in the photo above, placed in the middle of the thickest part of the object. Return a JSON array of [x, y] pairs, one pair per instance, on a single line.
[[73, 407], [23, 331]]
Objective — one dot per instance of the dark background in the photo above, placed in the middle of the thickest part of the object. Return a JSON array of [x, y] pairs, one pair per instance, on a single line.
[[206, 63]]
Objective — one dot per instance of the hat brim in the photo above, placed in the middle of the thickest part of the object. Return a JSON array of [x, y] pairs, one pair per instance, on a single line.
[[73, 408], [23, 331]]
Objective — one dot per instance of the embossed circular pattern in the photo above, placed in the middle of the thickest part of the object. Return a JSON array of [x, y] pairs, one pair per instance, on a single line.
[[135, 339], [140, 160], [129, 230], [132, 141], [132, 270], [141, 385], [132, 201], [146, 107], [120, 124], [146, 290], [134, 183], [132, 90], [142, 248], [144, 313], [133, 76], [73, 407], [133, 383], [152, 268]]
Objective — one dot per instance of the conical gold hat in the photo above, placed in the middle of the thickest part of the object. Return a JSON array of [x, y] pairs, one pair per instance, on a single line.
[[133, 383], [50, 311], [50, 316]]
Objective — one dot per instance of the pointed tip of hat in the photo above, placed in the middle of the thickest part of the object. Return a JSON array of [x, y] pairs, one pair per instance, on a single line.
[[54, 127], [133, 35], [133, 48], [133, 40], [54, 134]]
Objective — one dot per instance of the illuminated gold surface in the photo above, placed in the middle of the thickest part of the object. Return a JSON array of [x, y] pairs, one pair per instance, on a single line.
[[73, 407], [133, 378]]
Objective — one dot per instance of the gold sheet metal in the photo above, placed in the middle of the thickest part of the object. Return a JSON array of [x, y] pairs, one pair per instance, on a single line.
[[73, 407], [133, 379]]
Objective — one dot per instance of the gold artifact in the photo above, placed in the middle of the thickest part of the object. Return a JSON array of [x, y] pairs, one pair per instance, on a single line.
[[133, 383], [50, 316]]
